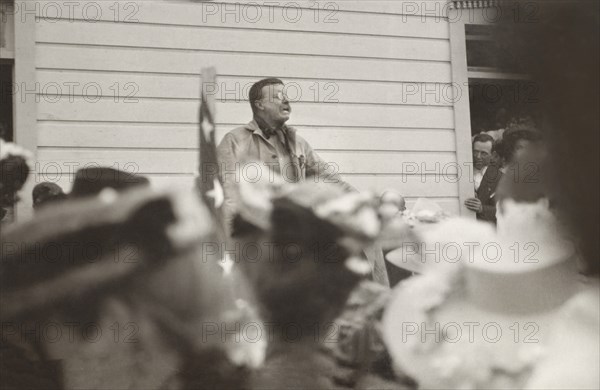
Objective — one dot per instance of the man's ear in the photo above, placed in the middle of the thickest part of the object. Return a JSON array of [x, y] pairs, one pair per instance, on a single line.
[[259, 105]]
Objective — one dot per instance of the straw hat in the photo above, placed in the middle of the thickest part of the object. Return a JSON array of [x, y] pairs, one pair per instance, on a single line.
[[483, 310]]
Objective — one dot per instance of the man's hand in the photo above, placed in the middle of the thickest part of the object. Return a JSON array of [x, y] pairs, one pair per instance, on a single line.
[[474, 204]]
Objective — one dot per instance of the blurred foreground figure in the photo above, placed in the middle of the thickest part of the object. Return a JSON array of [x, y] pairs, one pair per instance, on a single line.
[[90, 181], [302, 243], [489, 317], [116, 291], [527, 315]]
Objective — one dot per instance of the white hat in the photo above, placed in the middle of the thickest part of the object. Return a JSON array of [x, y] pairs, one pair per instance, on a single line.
[[481, 319]]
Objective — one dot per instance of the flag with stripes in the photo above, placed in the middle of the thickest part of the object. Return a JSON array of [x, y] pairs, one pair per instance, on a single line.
[[208, 182]]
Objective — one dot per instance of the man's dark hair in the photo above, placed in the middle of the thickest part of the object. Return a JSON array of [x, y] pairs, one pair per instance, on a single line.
[[483, 137], [256, 90]]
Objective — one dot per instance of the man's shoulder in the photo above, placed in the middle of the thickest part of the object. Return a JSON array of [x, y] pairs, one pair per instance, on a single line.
[[494, 169], [240, 131], [237, 134], [493, 173]]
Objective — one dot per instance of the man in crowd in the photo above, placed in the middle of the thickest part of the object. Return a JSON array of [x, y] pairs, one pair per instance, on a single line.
[[486, 176], [269, 141]]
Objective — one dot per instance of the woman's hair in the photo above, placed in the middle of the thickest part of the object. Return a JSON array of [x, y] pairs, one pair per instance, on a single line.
[[560, 50], [499, 147], [512, 136]]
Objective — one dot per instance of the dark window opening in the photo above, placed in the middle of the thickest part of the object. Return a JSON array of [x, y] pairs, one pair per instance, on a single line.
[[6, 102], [500, 95], [7, 214], [485, 51], [497, 103]]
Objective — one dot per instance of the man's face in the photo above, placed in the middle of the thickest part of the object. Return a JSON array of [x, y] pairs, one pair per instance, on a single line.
[[482, 154], [274, 105]]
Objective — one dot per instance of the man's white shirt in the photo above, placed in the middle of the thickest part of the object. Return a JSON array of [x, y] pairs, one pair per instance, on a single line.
[[478, 176]]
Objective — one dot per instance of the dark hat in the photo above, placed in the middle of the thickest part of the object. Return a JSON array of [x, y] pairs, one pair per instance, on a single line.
[[90, 181]]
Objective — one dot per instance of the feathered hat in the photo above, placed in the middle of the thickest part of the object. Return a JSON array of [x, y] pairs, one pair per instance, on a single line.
[[308, 239]]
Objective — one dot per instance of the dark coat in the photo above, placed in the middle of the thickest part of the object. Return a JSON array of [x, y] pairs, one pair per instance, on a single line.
[[487, 193]]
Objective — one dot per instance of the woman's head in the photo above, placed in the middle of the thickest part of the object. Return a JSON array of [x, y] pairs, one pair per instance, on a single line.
[[517, 140]]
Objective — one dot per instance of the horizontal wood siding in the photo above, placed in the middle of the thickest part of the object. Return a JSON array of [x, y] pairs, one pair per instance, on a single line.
[[370, 84]]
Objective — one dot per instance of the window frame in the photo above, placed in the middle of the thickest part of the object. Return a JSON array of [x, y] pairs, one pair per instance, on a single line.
[[460, 14], [19, 50]]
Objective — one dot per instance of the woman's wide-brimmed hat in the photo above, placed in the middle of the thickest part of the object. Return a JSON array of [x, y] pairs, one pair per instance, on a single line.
[[359, 219], [310, 239], [78, 247], [483, 309]]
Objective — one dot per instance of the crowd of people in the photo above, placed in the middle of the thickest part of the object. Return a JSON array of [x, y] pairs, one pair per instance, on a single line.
[[281, 283]]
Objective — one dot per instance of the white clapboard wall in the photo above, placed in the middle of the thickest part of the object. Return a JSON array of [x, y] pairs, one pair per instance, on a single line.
[[368, 80]]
